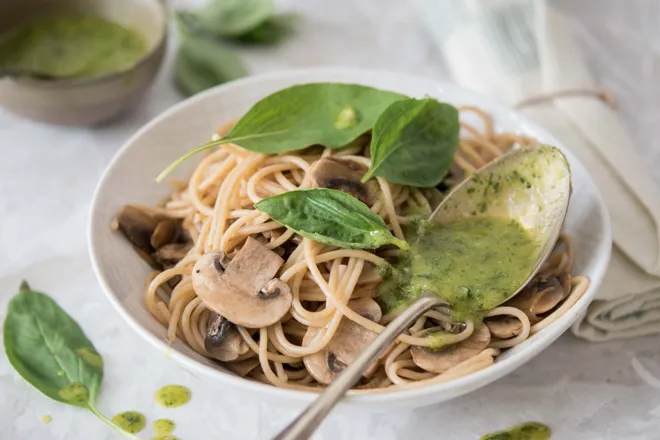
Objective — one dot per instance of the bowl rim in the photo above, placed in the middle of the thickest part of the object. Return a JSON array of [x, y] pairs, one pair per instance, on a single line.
[[154, 48], [453, 387]]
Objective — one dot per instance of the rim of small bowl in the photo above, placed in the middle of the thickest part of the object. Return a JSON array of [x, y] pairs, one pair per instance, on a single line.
[[455, 387], [72, 82]]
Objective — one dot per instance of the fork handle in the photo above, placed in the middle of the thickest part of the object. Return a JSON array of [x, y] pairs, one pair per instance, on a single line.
[[303, 426]]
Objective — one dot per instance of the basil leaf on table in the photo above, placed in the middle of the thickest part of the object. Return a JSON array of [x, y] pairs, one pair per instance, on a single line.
[[50, 351], [272, 31], [413, 142], [231, 18], [202, 63], [331, 217], [303, 115]]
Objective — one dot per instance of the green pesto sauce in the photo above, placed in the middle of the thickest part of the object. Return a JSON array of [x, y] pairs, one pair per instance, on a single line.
[[347, 118], [75, 394], [524, 431], [71, 47], [163, 427], [173, 396], [474, 265], [130, 421], [90, 357]]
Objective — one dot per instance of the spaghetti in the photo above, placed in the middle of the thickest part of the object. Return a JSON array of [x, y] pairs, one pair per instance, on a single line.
[[216, 210]]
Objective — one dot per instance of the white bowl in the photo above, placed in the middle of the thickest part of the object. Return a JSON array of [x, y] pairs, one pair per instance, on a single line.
[[130, 179]]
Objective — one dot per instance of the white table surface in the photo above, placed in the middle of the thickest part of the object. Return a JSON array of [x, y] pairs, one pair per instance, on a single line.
[[47, 176]]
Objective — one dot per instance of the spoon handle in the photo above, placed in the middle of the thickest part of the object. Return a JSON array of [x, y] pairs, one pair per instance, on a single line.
[[302, 427]]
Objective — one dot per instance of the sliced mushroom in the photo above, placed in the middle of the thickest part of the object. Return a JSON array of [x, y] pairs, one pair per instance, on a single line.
[[223, 342], [540, 297], [346, 344], [434, 196], [439, 361], [146, 256], [242, 368], [137, 226], [341, 174], [170, 254], [243, 290], [164, 233], [565, 281], [369, 275], [504, 327]]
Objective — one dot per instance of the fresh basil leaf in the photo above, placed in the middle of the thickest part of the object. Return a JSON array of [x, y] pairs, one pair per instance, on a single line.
[[303, 115], [187, 24], [272, 31], [227, 18], [202, 63], [50, 350], [331, 217], [413, 142]]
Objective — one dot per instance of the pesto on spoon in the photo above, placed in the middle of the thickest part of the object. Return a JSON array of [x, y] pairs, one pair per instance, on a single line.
[[488, 237]]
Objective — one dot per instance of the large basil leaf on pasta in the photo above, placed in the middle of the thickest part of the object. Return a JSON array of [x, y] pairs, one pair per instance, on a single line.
[[330, 114], [331, 217], [414, 141], [50, 350]]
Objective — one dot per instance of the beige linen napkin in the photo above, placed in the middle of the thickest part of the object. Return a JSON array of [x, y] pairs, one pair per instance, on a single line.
[[520, 49]]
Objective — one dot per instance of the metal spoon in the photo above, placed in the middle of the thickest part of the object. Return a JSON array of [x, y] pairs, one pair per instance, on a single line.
[[531, 185]]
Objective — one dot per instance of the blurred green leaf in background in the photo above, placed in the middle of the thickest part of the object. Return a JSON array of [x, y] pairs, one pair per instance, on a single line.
[[211, 37]]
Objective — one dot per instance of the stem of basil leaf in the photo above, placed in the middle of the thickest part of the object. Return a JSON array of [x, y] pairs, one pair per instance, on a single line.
[[112, 424], [401, 244]]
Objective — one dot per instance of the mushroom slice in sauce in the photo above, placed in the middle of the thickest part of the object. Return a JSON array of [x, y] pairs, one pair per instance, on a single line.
[[439, 361], [540, 297], [223, 342], [244, 290], [346, 344], [341, 174], [504, 327]]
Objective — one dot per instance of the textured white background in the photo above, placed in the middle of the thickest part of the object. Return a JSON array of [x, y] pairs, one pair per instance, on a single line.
[[47, 176]]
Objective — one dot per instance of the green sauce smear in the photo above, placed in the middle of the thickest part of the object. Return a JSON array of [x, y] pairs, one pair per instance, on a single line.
[[474, 264], [71, 47], [75, 394], [524, 431], [347, 118], [173, 396], [163, 426], [130, 421], [163, 429]]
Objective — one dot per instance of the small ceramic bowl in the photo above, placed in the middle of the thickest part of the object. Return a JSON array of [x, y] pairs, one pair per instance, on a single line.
[[130, 178], [93, 100]]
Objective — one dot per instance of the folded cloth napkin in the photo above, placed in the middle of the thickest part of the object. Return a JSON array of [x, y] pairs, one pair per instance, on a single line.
[[517, 50]]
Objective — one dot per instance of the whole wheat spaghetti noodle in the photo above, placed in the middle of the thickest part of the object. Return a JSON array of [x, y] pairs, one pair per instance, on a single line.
[[333, 289]]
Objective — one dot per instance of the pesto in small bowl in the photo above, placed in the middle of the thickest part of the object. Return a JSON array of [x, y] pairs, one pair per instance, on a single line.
[[70, 46]]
